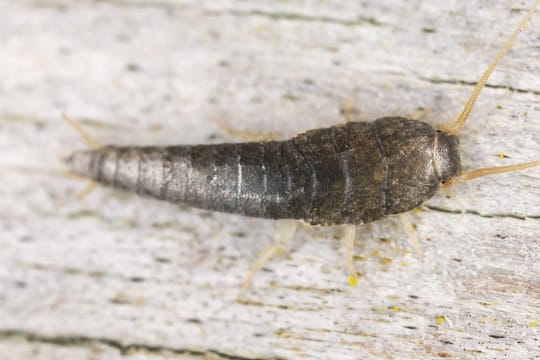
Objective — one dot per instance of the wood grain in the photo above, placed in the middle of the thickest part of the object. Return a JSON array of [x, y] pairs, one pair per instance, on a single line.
[[118, 276]]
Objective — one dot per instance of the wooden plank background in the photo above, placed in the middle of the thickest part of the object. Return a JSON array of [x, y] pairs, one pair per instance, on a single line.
[[118, 276]]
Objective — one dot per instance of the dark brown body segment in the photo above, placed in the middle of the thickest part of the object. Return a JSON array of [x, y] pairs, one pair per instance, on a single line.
[[349, 174]]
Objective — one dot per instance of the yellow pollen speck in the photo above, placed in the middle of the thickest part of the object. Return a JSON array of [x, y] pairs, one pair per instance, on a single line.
[[279, 251], [386, 261], [353, 281], [375, 253], [440, 320], [533, 323], [501, 155], [417, 210], [396, 309]]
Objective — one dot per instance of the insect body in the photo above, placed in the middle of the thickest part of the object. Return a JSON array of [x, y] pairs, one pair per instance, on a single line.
[[350, 174]]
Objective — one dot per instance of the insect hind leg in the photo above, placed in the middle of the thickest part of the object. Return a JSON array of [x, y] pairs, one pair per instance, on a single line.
[[246, 135], [285, 230], [349, 238]]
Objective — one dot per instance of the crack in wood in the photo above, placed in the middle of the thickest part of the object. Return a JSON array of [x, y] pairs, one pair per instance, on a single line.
[[484, 215], [358, 21], [167, 5], [473, 83], [86, 341]]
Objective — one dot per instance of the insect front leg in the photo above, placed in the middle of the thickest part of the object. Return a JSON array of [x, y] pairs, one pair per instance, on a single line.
[[420, 113], [347, 109], [285, 230], [409, 229]]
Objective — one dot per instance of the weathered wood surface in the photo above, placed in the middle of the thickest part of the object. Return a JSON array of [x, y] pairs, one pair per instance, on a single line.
[[115, 275]]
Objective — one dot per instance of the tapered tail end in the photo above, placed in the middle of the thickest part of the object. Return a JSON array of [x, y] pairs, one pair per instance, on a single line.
[[80, 163]]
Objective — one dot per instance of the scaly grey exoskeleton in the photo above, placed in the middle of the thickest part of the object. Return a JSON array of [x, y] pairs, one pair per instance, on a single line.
[[352, 174]]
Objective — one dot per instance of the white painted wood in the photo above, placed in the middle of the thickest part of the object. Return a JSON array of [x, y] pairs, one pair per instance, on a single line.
[[115, 275]]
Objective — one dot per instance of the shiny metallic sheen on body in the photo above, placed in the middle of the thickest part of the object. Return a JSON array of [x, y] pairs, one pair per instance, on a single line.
[[349, 174]]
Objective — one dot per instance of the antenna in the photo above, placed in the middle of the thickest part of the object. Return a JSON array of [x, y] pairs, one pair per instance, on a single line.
[[455, 126]]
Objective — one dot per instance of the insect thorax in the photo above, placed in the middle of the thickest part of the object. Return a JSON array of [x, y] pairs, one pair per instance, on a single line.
[[418, 159]]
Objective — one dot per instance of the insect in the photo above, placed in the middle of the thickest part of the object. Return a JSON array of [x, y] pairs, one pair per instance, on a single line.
[[349, 174]]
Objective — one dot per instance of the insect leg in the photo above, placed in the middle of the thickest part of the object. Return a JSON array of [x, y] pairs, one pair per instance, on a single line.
[[246, 135], [350, 237], [453, 196], [285, 230], [409, 229], [87, 190], [347, 109], [420, 114], [455, 127]]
